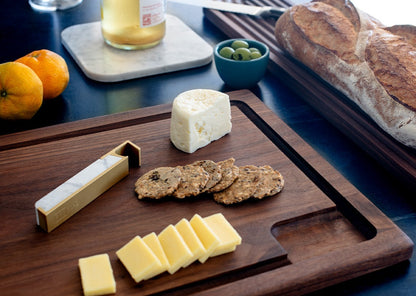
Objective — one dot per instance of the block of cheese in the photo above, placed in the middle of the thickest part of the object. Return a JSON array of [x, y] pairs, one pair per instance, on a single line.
[[229, 237], [97, 275], [199, 117], [208, 238], [175, 248], [153, 243], [191, 239], [138, 259]]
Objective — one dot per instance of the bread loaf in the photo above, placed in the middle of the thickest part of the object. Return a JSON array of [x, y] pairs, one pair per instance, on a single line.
[[373, 65]]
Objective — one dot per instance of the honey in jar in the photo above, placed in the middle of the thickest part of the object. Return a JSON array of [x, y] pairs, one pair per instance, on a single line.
[[133, 24]]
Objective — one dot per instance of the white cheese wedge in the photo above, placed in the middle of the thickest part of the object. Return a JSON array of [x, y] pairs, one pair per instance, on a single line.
[[199, 117], [153, 243], [97, 275], [138, 259], [191, 239], [206, 235], [175, 248], [229, 237]]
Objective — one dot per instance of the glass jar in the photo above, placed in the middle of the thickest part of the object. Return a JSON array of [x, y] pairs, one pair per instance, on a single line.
[[52, 5], [133, 24]]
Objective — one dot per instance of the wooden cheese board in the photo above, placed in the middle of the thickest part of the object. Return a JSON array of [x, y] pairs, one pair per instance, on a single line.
[[330, 103], [317, 232]]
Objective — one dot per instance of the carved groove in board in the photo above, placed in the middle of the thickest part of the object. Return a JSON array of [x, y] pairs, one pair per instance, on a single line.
[[351, 213]]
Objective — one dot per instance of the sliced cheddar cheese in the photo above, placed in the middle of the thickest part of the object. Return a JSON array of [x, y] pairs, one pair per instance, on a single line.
[[175, 248], [228, 236], [139, 259], [153, 243], [191, 239], [208, 238], [97, 275]]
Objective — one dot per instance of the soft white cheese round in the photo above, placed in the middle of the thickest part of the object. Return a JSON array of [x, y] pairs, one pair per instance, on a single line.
[[199, 117]]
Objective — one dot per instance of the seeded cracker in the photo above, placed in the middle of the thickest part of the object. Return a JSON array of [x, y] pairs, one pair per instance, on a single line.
[[229, 172], [214, 171], [242, 188], [158, 183], [193, 181], [271, 182]]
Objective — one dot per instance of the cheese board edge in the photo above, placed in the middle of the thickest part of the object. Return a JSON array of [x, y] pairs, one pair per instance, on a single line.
[[385, 244]]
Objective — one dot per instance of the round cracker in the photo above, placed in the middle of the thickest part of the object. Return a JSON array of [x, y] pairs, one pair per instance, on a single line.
[[193, 181], [242, 188], [271, 182], [229, 173], [158, 183], [214, 171]]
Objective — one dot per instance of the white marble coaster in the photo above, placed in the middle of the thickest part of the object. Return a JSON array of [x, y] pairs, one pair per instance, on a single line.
[[181, 49]]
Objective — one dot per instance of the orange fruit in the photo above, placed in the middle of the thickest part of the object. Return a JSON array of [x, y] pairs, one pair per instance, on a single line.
[[51, 69], [21, 91]]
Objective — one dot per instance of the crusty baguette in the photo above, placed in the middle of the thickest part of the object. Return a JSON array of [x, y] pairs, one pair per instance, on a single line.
[[373, 65]]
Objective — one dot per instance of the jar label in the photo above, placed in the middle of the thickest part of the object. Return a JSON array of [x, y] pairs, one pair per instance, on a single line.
[[152, 12]]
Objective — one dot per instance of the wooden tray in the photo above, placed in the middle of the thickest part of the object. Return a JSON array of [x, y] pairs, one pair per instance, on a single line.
[[317, 232], [330, 103]]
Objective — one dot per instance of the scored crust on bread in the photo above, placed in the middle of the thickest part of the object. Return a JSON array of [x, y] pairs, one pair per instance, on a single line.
[[389, 51], [322, 17], [371, 64], [408, 32]]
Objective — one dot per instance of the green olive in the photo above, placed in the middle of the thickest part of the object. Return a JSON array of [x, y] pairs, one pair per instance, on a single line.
[[255, 55], [226, 52], [239, 44], [241, 54]]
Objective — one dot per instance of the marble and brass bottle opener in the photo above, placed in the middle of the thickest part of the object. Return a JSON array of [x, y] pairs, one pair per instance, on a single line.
[[71, 196]]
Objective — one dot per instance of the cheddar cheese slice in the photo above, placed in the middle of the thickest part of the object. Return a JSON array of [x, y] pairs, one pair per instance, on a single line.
[[153, 243], [209, 239], [139, 259], [175, 248], [229, 237], [97, 275], [191, 239]]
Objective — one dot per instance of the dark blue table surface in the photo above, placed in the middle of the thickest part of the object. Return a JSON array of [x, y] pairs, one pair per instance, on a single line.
[[23, 30]]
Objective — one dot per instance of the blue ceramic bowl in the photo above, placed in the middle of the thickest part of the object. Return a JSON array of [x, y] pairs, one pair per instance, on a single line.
[[241, 74]]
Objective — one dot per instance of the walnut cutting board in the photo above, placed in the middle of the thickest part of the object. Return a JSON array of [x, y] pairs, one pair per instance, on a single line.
[[317, 232], [330, 103]]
